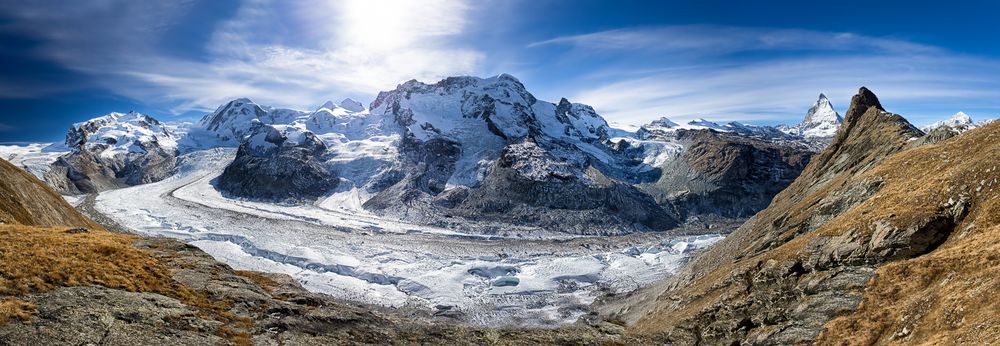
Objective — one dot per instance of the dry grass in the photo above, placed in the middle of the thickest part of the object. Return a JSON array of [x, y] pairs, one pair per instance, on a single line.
[[15, 309], [260, 279], [39, 259], [949, 295], [36, 260]]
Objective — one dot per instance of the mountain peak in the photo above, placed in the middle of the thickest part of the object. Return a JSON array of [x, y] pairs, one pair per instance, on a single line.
[[961, 117], [862, 101], [664, 122], [327, 105], [351, 105], [958, 123]]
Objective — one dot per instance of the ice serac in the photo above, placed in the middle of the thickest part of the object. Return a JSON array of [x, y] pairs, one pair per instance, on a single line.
[[806, 258], [113, 151], [278, 162], [821, 121]]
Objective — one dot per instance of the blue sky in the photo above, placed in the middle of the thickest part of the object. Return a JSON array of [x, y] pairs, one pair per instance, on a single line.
[[759, 62]]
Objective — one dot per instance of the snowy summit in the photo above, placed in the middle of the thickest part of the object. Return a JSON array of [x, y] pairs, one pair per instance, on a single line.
[[821, 121]]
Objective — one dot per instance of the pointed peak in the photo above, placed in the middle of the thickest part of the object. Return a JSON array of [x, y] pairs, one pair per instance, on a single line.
[[962, 116], [352, 105], [663, 122], [867, 99], [327, 105], [822, 97]]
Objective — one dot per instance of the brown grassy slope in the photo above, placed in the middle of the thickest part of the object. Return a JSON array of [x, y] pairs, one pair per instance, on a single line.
[[917, 198], [26, 200], [947, 296], [35, 259], [38, 253], [730, 293]]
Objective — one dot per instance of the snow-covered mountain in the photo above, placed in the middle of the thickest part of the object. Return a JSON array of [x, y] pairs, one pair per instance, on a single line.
[[960, 122], [821, 121], [482, 116], [482, 151], [118, 133], [232, 122], [760, 132], [113, 151]]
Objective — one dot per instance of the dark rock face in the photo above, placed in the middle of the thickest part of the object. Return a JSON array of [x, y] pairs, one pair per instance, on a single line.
[[779, 279], [529, 186], [103, 159], [726, 175], [269, 165]]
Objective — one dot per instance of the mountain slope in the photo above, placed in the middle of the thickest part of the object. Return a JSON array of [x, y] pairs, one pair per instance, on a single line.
[[25, 200], [783, 274], [721, 174], [939, 295]]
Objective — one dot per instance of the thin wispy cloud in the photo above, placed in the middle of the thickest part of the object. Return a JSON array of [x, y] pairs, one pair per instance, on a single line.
[[697, 74], [721, 39], [7, 128]]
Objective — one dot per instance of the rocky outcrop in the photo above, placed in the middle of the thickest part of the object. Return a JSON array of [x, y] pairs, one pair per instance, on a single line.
[[114, 151], [805, 259], [278, 163], [722, 174], [532, 187]]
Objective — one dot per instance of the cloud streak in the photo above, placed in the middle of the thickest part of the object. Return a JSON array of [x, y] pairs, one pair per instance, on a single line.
[[704, 39], [703, 71]]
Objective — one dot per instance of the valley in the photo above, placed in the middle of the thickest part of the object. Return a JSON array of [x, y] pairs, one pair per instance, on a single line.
[[531, 278]]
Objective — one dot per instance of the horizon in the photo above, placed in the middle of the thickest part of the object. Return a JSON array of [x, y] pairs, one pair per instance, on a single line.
[[633, 62]]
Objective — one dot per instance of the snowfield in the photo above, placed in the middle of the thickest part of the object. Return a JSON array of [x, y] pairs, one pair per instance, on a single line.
[[335, 247], [36, 158]]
